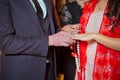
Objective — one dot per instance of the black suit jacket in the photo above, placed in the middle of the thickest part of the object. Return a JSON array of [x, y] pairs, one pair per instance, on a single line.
[[22, 40]]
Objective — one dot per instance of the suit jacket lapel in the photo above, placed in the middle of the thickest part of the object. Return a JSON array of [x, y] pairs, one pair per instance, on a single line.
[[50, 14], [34, 16]]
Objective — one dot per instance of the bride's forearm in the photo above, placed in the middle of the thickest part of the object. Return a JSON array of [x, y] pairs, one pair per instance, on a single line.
[[113, 43]]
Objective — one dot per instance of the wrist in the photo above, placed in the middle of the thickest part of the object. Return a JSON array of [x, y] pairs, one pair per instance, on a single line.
[[95, 36], [50, 43]]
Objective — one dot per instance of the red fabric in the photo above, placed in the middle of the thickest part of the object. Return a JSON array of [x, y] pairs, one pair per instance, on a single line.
[[79, 76], [107, 61]]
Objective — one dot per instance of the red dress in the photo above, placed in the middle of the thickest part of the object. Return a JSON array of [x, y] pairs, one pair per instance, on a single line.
[[105, 67]]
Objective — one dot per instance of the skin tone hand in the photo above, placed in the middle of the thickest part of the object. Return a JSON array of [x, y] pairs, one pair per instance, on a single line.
[[85, 37], [82, 2], [71, 28], [61, 38], [113, 43]]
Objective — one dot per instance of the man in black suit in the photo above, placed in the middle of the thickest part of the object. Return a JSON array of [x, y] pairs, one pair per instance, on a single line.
[[27, 41]]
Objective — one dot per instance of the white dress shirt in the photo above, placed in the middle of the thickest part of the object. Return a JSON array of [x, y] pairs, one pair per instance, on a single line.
[[42, 5]]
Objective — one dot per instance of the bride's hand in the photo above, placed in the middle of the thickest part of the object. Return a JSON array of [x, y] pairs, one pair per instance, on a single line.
[[71, 28], [85, 37]]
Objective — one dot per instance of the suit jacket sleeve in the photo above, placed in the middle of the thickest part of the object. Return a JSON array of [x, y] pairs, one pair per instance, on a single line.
[[12, 44]]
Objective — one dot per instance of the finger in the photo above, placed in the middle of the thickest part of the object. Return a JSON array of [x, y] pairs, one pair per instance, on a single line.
[[76, 26], [68, 34], [65, 44], [77, 37], [70, 41], [68, 38]]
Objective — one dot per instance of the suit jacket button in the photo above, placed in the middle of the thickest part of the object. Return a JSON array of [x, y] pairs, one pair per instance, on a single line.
[[47, 61]]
